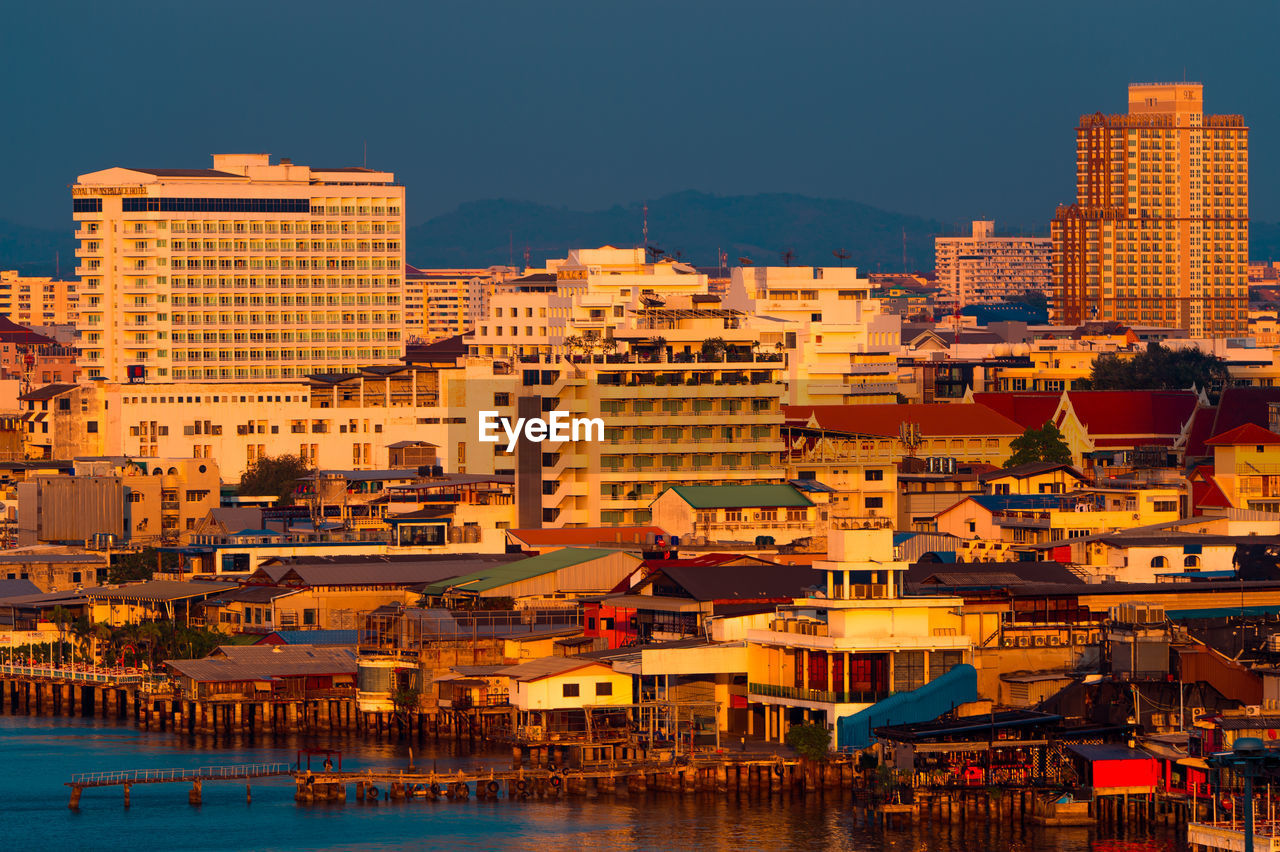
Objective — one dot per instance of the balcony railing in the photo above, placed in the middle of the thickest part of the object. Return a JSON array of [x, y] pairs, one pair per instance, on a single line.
[[818, 696]]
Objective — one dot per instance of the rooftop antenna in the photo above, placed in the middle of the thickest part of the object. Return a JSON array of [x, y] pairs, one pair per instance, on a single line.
[[366, 154], [787, 257], [841, 255], [904, 248], [645, 227]]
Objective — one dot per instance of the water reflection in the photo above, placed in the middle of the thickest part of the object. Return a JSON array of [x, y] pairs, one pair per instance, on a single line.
[[38, 755]]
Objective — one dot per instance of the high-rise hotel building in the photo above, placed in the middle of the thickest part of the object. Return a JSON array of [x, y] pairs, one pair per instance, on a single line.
[[249, 270], [1159, 233]]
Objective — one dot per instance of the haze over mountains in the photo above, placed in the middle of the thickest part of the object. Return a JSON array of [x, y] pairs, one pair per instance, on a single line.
[[690, 225]]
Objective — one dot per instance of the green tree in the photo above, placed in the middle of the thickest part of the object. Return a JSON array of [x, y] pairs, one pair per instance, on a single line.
[[1160, 368], [133, 567], [1039, 445], [713, 348], [812, 742], [277, 476]]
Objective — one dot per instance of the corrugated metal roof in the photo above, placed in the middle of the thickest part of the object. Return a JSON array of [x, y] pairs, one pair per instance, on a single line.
[[1109, 752], [523, 569], [265, 662], [740, 496], [546, 667]]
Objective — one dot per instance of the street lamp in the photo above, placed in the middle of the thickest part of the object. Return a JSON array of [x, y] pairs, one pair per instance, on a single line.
[[1249, 759]]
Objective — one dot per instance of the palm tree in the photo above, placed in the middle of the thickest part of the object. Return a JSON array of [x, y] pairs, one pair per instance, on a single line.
[[660, 346], [82, 630], [60, 616]]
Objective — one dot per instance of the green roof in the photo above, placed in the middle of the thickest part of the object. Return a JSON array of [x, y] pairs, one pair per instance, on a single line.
[[493, 576], [740, 496]]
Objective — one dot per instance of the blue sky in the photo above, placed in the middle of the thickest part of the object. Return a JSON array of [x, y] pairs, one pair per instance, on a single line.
[[954, 111]]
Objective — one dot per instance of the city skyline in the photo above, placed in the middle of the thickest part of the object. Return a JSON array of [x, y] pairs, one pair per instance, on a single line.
[[664, 108]]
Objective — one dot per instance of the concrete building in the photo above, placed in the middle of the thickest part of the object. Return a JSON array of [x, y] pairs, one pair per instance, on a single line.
[[248, 270], [828, 658], [39, 301], [440, 303], [986, 268], [151, 501], [841, 343], [1159, 233]]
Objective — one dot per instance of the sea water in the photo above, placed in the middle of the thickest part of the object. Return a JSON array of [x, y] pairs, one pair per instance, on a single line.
[[39, 755]]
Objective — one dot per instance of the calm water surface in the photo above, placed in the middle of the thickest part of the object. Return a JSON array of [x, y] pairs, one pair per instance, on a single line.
[[38, 755]]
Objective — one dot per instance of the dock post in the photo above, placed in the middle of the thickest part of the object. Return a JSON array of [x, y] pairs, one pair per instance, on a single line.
[[248, 794], [194, 796], [127, 788], [75, 798], [359, 791]]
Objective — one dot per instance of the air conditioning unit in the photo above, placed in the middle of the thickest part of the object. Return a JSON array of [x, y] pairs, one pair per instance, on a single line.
[[1040, 641], [1055, 639], [1196, 713], [1253, 710], [1024, 641], [1008, 641]]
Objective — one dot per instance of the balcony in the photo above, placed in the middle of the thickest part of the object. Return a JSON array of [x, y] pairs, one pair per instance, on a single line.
[[817, 696]]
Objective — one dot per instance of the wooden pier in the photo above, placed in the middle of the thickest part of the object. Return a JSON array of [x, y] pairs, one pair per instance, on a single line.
[[196, 777]]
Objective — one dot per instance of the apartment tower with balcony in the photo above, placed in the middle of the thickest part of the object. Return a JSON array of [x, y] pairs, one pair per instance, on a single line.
[[1159, 232], [248, 270]]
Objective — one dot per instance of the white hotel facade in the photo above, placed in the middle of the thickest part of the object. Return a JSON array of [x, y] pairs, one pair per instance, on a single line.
[[246, 271]]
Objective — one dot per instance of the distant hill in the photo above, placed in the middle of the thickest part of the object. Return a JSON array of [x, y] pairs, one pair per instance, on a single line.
[[693, 224], [36, 251]]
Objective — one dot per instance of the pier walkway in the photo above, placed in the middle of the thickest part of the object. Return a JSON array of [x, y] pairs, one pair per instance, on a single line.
[[128, 777]]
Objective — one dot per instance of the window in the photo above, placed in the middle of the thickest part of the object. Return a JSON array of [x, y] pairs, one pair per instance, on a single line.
[[875, 502], [1191, 562], [604, 688], [91, 426], [570, 690], [1158, 562], [875, 476], [1165, 505]]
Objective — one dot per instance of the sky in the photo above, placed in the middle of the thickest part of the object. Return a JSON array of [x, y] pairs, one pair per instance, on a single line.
[[953, 111]]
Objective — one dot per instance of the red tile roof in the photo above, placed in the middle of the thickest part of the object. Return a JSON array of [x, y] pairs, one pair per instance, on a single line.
[[1200, 430], [1249, 433], [1242, 405], [585, 536], [934, 419], [1029, 410], [1133, 413], [1205, 494]]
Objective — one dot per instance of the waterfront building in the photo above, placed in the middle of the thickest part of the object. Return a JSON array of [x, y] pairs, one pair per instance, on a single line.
[[38, 301], [248, 270], [1159, 232], [983, 268], [832, 656]]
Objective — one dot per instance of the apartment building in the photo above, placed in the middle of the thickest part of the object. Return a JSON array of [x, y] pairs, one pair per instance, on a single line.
[[147, 501], [249, 270], [440, 303], [1159, 233], [844, 343], [38, 301], [984, 268]]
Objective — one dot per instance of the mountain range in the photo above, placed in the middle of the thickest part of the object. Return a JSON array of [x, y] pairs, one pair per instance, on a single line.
[[692, 226]]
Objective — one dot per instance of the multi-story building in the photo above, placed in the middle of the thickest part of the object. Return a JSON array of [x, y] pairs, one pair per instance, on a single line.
[[843, 340], [33, 300], [440, 303], [147, 501], [986, 268], [1159, 232], [828, 658], [248, 270]]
